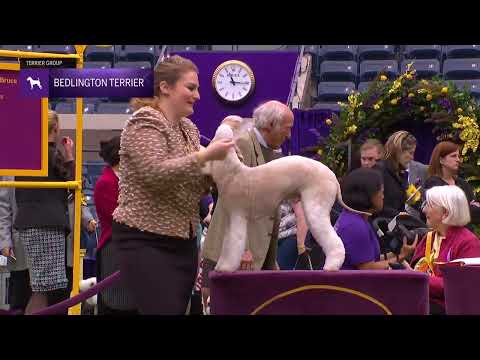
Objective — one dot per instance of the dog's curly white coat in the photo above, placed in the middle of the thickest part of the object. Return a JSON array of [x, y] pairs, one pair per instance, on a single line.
[[253, 193]]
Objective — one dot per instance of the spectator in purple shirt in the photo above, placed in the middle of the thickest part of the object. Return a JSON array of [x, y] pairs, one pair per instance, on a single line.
[[362, 190]]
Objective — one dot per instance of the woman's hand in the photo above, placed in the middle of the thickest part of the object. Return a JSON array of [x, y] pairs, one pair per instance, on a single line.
[[407, 250], [217, 150], [68, 146], [91, 226], [7, 252]]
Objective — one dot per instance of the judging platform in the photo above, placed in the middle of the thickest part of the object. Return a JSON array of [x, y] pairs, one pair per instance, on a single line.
[[319, 293]]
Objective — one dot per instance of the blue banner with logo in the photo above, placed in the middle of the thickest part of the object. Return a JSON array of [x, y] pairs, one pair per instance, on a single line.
[[71, 83]]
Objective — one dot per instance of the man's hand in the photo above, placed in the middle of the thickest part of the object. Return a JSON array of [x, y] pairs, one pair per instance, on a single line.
[[247, 261]]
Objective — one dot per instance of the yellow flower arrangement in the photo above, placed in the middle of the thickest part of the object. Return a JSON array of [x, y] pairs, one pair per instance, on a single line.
[[428, 97], [328, 122], [411, 190], [444, 90], [410, 95], [459, 110], [470, 133], [383, 78]]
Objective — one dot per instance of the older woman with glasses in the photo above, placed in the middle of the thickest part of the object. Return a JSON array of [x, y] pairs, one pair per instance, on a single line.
[[447, 212]]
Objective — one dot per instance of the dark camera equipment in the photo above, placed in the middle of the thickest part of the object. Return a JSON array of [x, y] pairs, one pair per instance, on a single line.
[[405, 226]]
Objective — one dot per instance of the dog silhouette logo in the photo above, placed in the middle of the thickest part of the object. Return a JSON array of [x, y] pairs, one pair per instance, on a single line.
[[34, 83]]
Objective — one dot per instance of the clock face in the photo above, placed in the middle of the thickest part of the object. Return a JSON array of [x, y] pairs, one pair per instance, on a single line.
[[233, 81]]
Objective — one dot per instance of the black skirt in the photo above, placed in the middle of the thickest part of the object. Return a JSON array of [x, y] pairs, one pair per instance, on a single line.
[[158, 271]]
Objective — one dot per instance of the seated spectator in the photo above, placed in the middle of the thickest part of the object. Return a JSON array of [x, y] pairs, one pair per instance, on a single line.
[[399, 151], [447, 212], [443, 170], [362, 190], [371, 151]]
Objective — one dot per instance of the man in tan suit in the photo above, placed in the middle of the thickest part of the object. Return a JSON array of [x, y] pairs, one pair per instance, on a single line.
[[273, 122]]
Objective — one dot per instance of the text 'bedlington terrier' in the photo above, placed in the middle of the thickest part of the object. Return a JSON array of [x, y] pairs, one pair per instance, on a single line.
[[253, 193]]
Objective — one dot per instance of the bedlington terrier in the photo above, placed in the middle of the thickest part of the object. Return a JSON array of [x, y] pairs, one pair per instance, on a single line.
[[254, 193]]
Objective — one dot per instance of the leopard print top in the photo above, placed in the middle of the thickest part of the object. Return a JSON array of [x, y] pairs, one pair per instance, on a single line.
[[159, 177]]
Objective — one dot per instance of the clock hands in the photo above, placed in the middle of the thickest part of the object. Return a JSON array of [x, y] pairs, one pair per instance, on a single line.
[[233, 82]]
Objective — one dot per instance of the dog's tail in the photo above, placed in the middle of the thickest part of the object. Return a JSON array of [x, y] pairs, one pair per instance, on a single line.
[[340, 200]]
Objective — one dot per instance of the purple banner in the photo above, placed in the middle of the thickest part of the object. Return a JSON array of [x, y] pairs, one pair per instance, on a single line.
[[125, 83], [20, 126], [273, 73], [71, 83]]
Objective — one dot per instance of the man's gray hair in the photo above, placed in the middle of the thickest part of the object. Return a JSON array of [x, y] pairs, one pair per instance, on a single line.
[[269, 114]]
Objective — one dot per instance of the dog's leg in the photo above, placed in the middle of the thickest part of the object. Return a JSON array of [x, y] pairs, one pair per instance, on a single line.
[[317, 206], [233, 243]]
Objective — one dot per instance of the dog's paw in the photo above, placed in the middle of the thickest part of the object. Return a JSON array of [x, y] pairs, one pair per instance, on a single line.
[[225, 266]]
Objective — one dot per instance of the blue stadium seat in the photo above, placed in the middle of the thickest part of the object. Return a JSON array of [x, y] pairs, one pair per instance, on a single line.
[[69, 107], [425, 68], [334, 91], [363, 86], [462, 51], [339, 52], [18, 47], [369, 69], [338, 71], [133, 64], [140, 53], [65, 107], [58, 49], [423, 51], [376, 52], [100, 53], [114, 108], [472, 85], [173, 48], [97, 65], [459, 69], [334, 107]]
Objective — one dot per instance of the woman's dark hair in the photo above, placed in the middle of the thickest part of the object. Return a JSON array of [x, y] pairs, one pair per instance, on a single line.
[[359, 186], [109, 150]]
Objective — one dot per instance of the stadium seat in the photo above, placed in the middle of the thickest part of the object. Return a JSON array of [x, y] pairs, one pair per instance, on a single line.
[[114, 108], [472, 85], [100, 53], [140, 53], [338, 71], [460, 69], [58, 49], [69, 107], [425, 68], [376, 52], [462, 51], [97, 65], [339, 52], [132, 64], [334, 91], [18, 47], [369, 69], [423, 51], [363, 86]]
